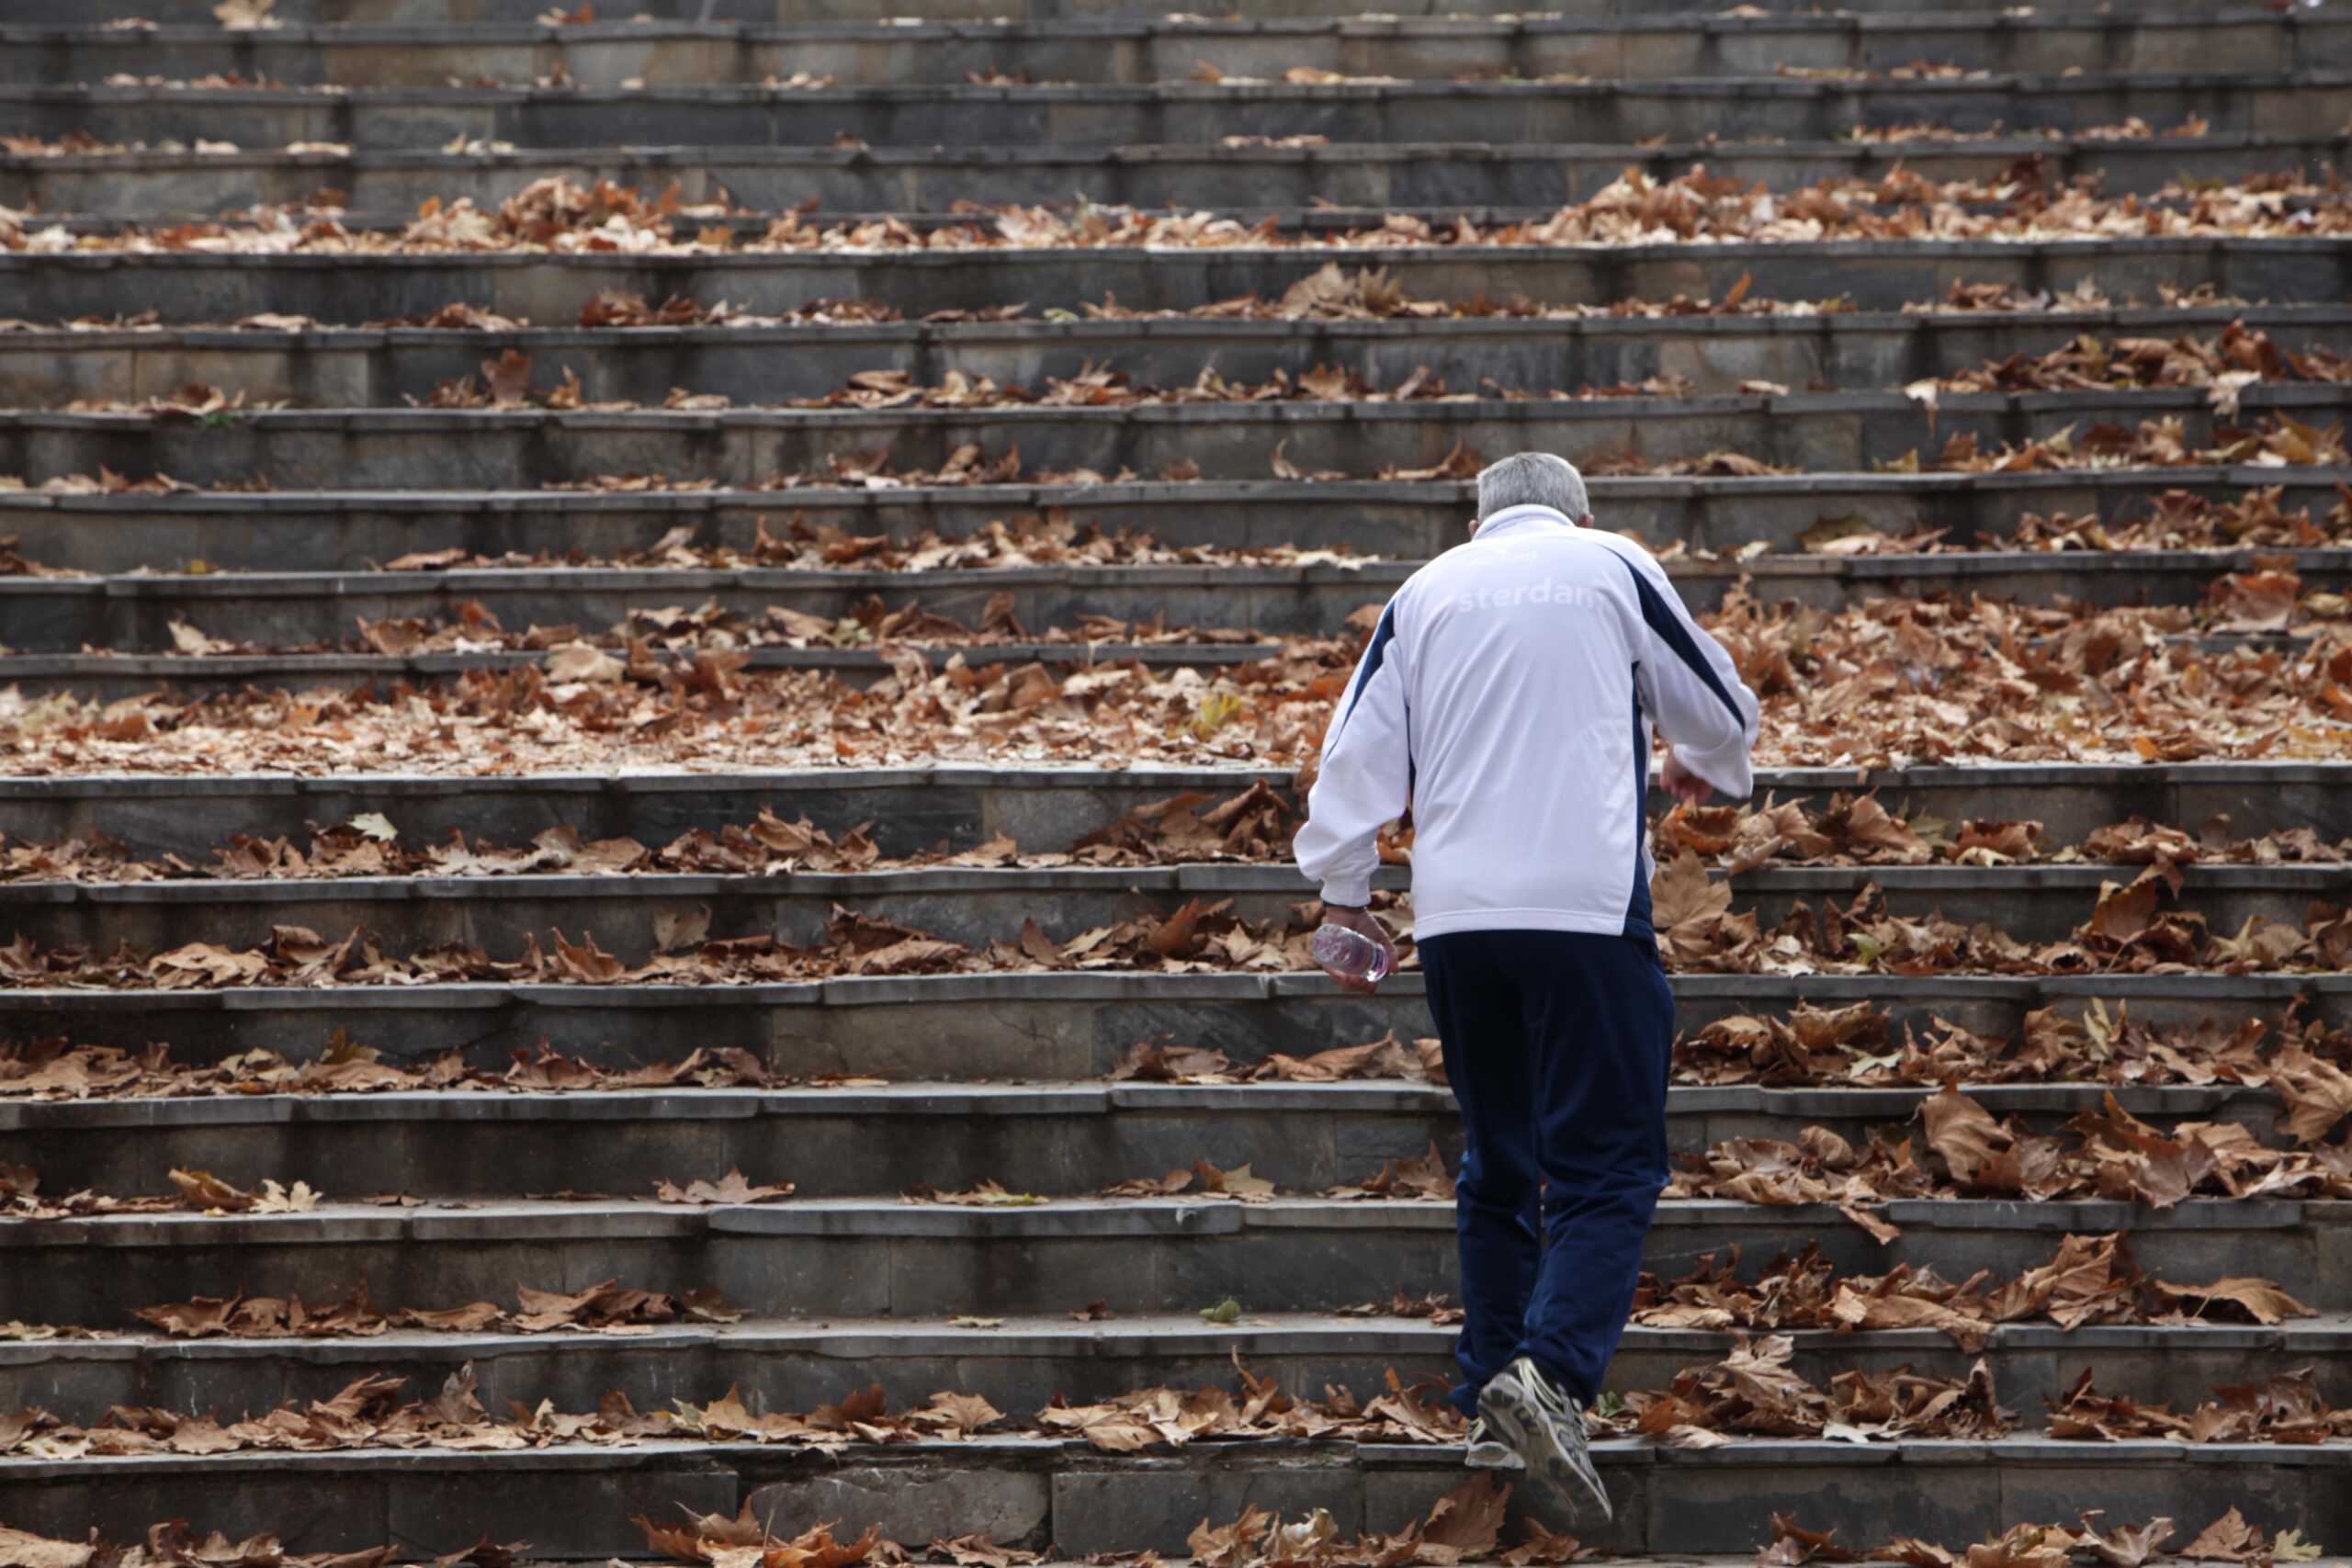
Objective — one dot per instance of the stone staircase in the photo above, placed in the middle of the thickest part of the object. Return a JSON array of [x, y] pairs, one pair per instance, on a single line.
[[295, 506]]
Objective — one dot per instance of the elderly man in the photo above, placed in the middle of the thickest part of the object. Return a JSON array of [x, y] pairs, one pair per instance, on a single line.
[[1507, 696]]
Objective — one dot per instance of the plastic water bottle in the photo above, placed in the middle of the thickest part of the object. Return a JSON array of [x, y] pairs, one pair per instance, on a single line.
[[1350, 953]]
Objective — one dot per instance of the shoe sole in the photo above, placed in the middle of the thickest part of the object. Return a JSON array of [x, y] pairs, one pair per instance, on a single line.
[[1510, 1409], [1492, 1455]]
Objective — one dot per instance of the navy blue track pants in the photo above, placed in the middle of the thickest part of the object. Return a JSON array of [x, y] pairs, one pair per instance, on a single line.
[[1558, 1046]]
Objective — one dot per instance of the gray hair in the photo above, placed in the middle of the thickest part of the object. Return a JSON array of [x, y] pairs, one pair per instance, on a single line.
[[1533, 478]]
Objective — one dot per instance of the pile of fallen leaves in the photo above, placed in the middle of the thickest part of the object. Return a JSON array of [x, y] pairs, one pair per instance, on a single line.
[[200, 1190], [1858, 829], [2112, 1154], [2241, 357], [2285, 1408], [2086, 1280], [2181, 520], [1466, 1524], [2176, 520], [2229, 1538], [607, 1308], [204, 1192], [2128, 932], [2277, 441], [1885, 682], [555, 214], [632, 647], [507, 382], [174, 1544], [1252, 825], [2133, 128], [53, 1068], [1159, 1061], [1421, 1178], [2300, 1060], [1200, 937], [1463, 1526], [2267, 599], [364, 1414], [13, 564], [1023, 539], [1698, 933], [1754, 1392]]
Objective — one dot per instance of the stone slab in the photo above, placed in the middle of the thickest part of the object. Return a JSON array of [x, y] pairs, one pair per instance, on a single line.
[[1874, 275], [2301, 102], [1474, 175], [338, 530]]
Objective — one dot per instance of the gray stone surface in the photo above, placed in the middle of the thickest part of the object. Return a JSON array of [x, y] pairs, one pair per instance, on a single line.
[[836, 1143], [1022, 1365], [846, 1283], [2305, 103], [1668, 1501], [878, 1255], [679, 54], [358, 368], [341, 13], [506, 449], [1025, 1025], [134, 615], [1473, 175], [501, 914], [868, 179], [342, 530], [912, 1502], [1876, 275]]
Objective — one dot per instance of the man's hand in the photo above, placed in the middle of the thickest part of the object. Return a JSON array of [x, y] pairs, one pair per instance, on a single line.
[[1360, 920], [1681, 783]]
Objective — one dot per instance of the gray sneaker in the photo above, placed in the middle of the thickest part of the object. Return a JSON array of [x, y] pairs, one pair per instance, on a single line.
[[1486, 1452], [1545, 1427]]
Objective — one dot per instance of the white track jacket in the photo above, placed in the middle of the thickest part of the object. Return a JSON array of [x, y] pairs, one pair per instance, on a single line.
[[1508, 695]]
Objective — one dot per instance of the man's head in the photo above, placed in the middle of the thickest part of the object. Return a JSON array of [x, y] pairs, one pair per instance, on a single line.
[[1533, 478]]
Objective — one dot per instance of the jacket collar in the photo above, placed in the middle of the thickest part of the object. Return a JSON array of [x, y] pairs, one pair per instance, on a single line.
[[1522, 519]]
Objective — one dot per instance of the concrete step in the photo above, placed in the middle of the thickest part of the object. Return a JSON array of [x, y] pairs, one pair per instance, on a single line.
[[835, 1142], [1028, 1025], [576, 1499], [315, 531], [513, 13], [2302, 103], [334, 286], [2281, 206], [912, 809], [1024, 1362], [501, 914], [388, 449], [882, 1256], [346, 367], [105, 678], [153, 184], [689, 55], [132, 618]]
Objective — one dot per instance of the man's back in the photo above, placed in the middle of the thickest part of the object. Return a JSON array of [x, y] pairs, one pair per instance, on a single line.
[[1530, 760], [1513, 682]]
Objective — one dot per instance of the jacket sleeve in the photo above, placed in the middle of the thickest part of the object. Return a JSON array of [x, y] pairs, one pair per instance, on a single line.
[[1365, 780], [1690, 688]]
